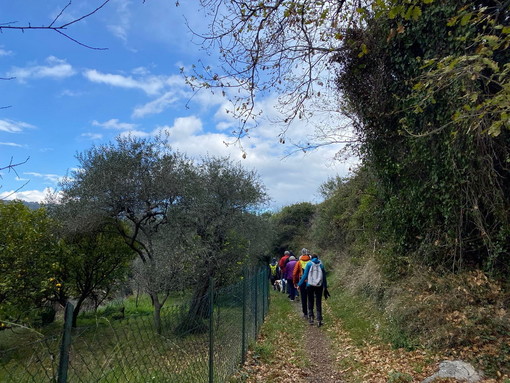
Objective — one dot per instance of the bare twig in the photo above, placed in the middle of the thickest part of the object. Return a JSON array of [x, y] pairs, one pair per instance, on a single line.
[[12, 165], [57, 28]]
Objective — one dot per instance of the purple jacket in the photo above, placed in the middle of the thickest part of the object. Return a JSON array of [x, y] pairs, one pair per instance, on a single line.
[[289, 268]]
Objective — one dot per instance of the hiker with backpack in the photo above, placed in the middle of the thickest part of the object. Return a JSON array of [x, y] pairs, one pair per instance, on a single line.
[[314, 277], [274, 273], [296, 276]]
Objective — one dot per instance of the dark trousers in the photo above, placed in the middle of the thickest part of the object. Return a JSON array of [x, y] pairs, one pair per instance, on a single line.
[[315, 297], [304, 299], [291, 290]]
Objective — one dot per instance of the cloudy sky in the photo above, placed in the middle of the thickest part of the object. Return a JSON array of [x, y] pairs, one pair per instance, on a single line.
[[59, 98]]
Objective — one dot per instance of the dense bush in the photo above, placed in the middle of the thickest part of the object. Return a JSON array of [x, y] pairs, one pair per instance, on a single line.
[[442, 176]]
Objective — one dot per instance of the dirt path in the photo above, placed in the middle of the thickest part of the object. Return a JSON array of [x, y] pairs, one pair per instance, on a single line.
[[308, 359], [319, 351]]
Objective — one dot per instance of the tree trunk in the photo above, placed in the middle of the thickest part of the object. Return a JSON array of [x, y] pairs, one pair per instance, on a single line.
[[193, 320], [199, 308], [157, 311], [76, 311]]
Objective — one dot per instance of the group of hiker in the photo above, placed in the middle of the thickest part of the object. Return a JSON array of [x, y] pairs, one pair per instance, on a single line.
[[304, 278]]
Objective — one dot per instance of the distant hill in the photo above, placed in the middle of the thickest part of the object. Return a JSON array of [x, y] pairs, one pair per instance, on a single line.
[[32, 205]]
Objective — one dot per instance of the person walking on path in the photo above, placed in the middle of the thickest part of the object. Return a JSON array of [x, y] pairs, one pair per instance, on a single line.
[[289, 270], [296, 276], [274, 272], [314, 277], [281, 264]]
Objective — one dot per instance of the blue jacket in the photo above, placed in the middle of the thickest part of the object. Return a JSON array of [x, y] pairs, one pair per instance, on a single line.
[[307, 269]]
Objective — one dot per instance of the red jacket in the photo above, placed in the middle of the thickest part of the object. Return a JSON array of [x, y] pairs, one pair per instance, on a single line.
[[283, 261]]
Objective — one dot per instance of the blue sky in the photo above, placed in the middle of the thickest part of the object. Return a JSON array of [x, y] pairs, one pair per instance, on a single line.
[[64, 98]]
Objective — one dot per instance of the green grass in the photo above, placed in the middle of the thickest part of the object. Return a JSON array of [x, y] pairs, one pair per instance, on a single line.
[[359, 318], [281, 336], [107, 348], [115, 351]]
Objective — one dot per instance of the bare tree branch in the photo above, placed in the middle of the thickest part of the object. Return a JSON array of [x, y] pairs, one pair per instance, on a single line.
[[272, 47], [59, 28], [12, 167]]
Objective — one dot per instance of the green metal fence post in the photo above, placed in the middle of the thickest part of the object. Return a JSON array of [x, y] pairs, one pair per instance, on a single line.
[[267, 297], [243, 335], [63, 364], [211, 332], [256, 298], [264, 283]]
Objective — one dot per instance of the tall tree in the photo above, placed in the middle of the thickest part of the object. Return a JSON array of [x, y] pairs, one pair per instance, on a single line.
[[142, 186], [224, 217]]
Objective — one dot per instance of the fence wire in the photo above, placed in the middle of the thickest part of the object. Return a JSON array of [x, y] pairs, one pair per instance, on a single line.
[[184, 350]]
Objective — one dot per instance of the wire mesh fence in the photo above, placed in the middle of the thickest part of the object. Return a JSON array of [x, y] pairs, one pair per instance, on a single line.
[[186, 347]]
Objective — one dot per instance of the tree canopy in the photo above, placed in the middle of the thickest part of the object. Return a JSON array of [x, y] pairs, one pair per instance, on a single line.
[[186, 220]]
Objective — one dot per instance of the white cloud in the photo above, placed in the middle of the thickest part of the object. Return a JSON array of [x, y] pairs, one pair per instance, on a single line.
[[151, 85], [114, 123], [11, 126], [4, 52], [92, 136], [70, 93], [12, 144], [122, 22], [56, 68], [289, 178], [156, 106], [53, 178], [164, 90], [27, 195], [183, 128]]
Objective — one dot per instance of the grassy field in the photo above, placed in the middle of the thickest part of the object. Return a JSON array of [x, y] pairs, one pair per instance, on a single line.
[[121, 345]]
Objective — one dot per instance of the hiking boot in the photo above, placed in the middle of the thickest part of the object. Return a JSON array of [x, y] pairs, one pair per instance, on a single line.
[[319, 323], [310, 320]]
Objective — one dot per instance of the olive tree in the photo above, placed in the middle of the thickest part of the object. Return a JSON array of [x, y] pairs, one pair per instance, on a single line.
[[229, 233], [142, 186], [186, 221]]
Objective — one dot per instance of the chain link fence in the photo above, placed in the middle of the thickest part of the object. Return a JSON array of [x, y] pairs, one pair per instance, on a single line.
[[188, 348]]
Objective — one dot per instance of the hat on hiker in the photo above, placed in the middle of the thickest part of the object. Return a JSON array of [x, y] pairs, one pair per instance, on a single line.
[[305, 251], [292, 258]]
